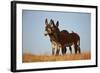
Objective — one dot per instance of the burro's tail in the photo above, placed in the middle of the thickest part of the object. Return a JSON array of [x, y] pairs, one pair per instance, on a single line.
[[78, 42], [78, 46]]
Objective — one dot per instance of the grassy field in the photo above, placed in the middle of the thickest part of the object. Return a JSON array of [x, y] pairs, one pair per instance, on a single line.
[[42, 58]]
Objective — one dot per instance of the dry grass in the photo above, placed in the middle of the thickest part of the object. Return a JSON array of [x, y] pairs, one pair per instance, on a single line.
[[42, 58]]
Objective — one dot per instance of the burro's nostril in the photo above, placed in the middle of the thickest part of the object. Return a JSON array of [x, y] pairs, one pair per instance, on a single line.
[[45, 33]]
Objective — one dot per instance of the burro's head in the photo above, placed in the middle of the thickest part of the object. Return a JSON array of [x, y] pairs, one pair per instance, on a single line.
[[50, 27]]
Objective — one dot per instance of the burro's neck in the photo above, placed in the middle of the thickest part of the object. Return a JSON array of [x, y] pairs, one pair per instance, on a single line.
[[55, 37]]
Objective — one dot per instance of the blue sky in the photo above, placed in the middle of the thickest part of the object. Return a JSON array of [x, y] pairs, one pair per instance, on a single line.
[[33, 27]]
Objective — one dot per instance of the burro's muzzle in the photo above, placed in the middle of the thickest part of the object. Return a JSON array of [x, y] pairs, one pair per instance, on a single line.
[[45, 33]]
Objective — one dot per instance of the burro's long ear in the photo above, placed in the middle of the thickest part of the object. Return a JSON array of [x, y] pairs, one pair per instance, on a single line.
[[57, 24], [46, 21], [52, 23]]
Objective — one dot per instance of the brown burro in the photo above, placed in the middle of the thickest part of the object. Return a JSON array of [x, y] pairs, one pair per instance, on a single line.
[[61, 39]]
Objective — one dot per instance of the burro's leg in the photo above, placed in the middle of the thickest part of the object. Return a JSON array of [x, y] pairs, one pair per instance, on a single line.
[[57, 51], [53, 49], [60, 52], [75, 48], [60, 49], [64, 49], [70, 48], [78, 46]]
